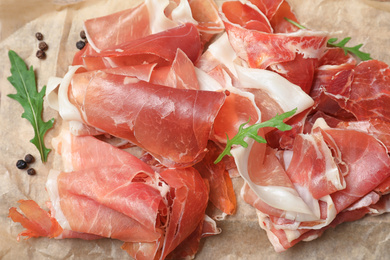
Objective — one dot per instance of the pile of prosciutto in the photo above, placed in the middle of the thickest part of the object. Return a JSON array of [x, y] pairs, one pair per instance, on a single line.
[[172, 79]]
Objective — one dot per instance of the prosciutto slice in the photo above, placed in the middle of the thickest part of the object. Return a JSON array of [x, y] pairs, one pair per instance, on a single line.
[[122, 198], [369, 97], [155, 48], [126, 25], [261, 49], [147, 114]]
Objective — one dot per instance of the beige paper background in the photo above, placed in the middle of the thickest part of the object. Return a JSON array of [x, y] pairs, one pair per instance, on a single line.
[[366, 21]]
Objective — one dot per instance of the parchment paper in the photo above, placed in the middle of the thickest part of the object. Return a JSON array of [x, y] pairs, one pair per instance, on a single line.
[[366, 21]]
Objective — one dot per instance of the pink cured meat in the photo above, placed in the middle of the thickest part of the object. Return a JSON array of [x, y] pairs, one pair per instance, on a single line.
[[278, 21], [80, 153], [313, 167], [331, 84], [189, 201], [268, 7], [122, 191], [246, 16], [336, 56], [130, 187], [367, 162], [180, 74], [172, 124], [375, 127], [221, 187], [299, 71], [117, 28], [236, 110], [251, 198], [262, 49], [205, 12], [155, 48], [285, 139], [370, 91], [37, 221], [108, 222]]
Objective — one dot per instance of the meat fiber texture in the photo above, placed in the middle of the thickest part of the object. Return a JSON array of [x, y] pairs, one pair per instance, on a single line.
[[365, 21]]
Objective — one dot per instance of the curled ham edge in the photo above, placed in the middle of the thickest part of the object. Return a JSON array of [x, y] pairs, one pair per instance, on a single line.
[[295, 207], [57, 98], [159, 21]]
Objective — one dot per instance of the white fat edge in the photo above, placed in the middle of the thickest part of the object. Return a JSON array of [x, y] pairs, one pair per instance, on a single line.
[[109, 63], [224, 52], [287, 94], [221, 217], [90, 41], [265, 224], [76, 126], [164, 189], [321, 123], [213, 223], [52, 189], [287, 157], [311, 237], [292, 234], [206, 82], [307, 197], [67, 110], [366, 201], [332, 172], [130, 80], [182, 13], [157, 19], [384, 209], [260, 13], [62, 145], [330, 214], [283, 198], [307, 52], [51, 94]]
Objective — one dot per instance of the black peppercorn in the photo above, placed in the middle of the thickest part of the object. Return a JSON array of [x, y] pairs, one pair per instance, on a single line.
[[41, 54], [39, 36], [31, 171], [29, 158], [80, 45], [21, 164], [43, 46], [82, 35]]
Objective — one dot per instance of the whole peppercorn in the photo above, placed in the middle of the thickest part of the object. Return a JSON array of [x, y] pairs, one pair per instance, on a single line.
[[21, 164], [31, 171], [80, 45], [43, 46], [29, 158], [41, 54], [82, 35], [39, 36]]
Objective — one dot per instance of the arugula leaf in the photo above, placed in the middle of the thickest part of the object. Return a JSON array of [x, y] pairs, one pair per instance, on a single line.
[[354, 50], [300, 26], [23, 80], [252, 130]]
